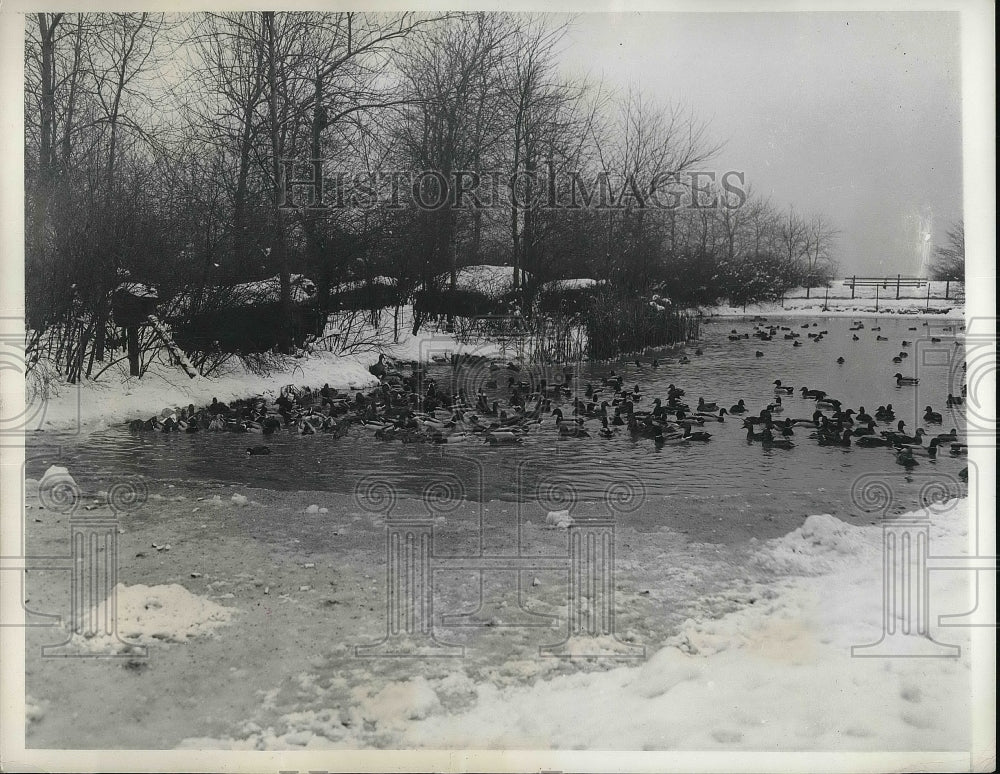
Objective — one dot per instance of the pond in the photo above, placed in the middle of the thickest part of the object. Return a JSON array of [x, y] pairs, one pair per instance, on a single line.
[[723, 491]]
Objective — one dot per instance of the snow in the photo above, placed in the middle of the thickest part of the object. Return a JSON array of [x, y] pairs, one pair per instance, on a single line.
[[813, 307], [766, 669], [580, 283], [493, 281], [266, 291], [838, 302], [55, 476], [94, 405], [346, 287], [138, 289], [149, 615], [558, 519]]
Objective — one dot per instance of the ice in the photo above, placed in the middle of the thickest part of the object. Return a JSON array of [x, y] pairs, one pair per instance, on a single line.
[[156, 614], [558, 519], [55, 476]]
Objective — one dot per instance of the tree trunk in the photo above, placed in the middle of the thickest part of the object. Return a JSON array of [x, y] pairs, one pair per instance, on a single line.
[[278, 253]]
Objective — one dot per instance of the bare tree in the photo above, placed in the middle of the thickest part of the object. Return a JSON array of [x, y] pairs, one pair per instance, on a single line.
[[950, 257]]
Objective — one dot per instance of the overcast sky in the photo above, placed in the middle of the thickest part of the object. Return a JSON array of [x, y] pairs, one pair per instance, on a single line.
[[853, 115]]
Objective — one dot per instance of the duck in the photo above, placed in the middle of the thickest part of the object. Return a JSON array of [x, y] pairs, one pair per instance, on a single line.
[[907, 380], [840, 361], [738, 408], [907, 343], [885, 413], [256, 451], [502, 437], [897, 360], [905, 458], [881, 338], [866, 429], [796, 343], [573, 430], [758, 353], [705, 407], [781, 390], [700, 435], [817, 394], [917, 439], [871, 441], [720, 417], [864, 417], [947, 437], [932, 417], [959, 450], [856, 337], [776, 407], [929, 451], [953, 401], [674, 439]]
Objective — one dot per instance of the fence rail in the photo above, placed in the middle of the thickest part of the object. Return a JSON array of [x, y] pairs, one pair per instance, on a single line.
[[899, 281]]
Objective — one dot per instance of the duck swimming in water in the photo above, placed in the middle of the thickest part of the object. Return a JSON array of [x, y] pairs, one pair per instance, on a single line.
[[947, 437], [256, 451], [931, 416], [780, 390], [739, 408], [905, 380], [700, 435], [870, 441], [704, 407]]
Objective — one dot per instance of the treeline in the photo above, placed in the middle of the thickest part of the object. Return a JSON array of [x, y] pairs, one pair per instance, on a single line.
[[157, 146]]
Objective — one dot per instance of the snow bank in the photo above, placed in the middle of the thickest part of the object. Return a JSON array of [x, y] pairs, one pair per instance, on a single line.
[[579, 283], [55, 476], [493, 281], [155, 614], [768, 669], [777, 673], [844, 307], [94, 405]]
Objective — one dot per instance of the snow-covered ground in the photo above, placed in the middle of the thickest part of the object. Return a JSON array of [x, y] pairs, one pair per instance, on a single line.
[[93, 405], [116, 398], [836, 301], [811, 307], [770, 669]]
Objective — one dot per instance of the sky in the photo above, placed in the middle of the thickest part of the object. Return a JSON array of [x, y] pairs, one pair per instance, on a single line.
[[855, 116]]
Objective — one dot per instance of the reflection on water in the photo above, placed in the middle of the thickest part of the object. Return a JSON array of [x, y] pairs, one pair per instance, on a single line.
[[722, 490]]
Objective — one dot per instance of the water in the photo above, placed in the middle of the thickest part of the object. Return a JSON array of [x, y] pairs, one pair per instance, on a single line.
[[724, 491]]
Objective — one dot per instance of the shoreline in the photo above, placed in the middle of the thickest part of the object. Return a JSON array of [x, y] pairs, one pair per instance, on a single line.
[[298, 610], [91, 406]]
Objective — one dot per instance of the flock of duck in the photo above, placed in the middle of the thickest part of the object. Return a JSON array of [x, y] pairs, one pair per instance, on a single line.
[[411, 407]]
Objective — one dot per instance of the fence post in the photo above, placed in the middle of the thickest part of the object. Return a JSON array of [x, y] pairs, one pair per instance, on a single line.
[[947, 287], [876, 298], [897, 286], [826, 298], [928, 306], [854, 282]]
